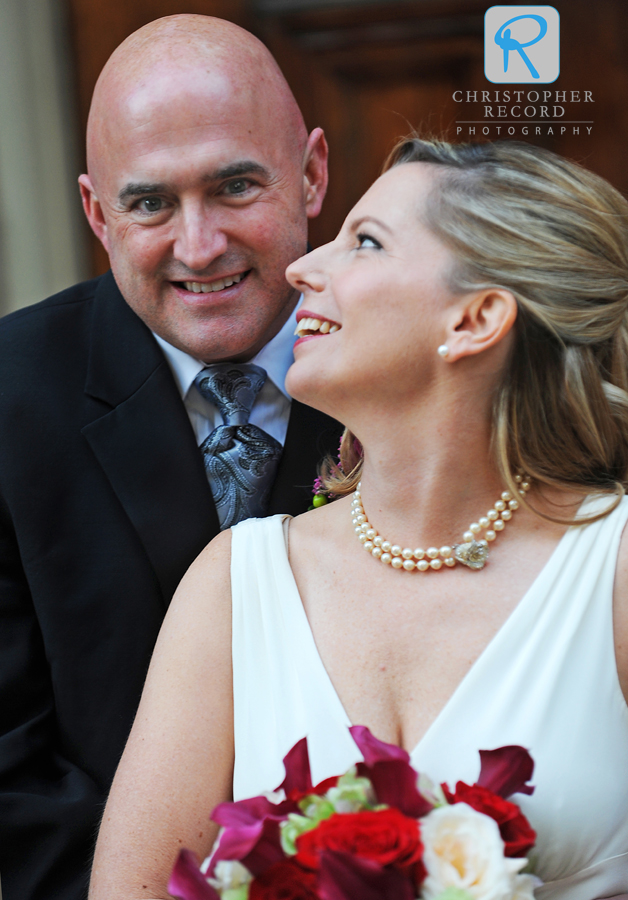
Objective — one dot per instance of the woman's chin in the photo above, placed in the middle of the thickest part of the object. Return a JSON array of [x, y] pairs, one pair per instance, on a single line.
[[311, 387]]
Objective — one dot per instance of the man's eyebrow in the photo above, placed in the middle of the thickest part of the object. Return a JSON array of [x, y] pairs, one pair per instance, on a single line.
[[139, 189], [241, 167]]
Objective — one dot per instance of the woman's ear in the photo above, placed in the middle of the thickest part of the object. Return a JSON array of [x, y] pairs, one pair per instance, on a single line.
[[482, 321]]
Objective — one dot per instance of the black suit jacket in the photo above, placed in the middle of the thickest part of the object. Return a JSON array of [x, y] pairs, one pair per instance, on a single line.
[[104, 503]]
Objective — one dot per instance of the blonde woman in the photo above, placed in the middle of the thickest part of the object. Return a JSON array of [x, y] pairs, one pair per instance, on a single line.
[[480, 363]]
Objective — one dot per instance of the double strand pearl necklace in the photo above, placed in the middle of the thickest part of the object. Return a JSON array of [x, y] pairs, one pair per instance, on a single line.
[[472, 552]]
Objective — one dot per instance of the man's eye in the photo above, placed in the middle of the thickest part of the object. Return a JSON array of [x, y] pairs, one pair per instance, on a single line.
[[365, 241], [240, 186], [150, 204]]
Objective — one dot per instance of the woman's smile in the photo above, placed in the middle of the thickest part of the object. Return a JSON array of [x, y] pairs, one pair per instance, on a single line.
[[313, 325]]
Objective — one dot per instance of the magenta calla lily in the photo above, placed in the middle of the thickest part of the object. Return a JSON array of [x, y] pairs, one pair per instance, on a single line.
[[395, 784], [506, 770], [248, 812], [298, 778], [374, 750], [251, 826], [389, 770], [256, 846], [345, 877], [187, 882]]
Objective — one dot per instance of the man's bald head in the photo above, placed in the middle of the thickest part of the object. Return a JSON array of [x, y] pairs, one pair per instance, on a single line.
[[201, 178], [188, 54]]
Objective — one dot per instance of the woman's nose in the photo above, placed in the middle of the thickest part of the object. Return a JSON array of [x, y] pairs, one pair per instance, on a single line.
[[309, 272]]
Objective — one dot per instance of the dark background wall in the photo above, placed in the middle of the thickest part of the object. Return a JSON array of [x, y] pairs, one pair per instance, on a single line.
[[367, 71]]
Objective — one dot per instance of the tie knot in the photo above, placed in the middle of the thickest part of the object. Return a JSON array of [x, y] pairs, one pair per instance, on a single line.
[[232, 387]]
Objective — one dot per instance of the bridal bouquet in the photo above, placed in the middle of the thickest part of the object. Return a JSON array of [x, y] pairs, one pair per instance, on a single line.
[[378, 832]]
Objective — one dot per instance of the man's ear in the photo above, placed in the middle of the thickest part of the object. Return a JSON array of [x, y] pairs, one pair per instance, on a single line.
[[93, 210], [315, 172], [482, 322]]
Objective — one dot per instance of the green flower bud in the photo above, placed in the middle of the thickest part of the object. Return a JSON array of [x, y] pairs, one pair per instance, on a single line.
[[291, 828], [352, 793], [237, 893]]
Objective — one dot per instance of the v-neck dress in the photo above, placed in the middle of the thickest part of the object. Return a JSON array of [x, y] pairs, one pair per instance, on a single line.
[[546, 681]]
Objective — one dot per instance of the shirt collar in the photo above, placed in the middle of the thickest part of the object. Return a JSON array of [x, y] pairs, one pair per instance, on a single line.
[[275, 358]]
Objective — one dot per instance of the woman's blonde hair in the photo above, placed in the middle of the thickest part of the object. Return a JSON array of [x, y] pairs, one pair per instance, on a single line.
[[556, 236]]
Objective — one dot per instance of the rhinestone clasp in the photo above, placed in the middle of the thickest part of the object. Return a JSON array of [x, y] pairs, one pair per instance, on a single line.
[[472, 554]]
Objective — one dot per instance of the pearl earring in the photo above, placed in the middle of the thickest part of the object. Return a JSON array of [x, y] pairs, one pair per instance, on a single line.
[[443, 351]]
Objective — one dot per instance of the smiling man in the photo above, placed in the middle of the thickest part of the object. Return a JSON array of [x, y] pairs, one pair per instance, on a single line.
[[143, 411]]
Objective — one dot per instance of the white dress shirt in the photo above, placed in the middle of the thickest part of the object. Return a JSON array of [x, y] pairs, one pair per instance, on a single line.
[[271, 409]]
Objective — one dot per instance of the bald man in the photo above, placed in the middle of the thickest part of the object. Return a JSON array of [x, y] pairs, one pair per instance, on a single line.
[[201, 178]]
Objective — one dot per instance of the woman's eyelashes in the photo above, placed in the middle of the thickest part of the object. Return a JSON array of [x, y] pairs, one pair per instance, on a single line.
[[367, 241]]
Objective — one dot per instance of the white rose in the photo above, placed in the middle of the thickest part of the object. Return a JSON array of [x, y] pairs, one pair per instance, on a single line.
[[464, 850]]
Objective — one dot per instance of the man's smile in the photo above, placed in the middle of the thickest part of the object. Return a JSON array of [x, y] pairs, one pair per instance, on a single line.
[[210, 287]]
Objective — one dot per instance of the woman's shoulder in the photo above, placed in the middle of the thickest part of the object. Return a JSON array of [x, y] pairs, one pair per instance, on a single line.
[[204, 593], [214, 556]]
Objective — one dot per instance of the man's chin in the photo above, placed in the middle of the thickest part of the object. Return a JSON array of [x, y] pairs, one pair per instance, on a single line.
[[213, 341]]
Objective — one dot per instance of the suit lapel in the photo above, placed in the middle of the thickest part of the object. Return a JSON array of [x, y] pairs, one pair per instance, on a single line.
[[311, 436], [144, 442]]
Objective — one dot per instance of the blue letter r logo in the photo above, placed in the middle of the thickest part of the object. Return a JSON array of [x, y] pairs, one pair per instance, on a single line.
[[504, 39], [521, 44]]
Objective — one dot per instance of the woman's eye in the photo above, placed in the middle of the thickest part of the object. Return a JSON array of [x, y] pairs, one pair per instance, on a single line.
[[151, 204], [365, 242]]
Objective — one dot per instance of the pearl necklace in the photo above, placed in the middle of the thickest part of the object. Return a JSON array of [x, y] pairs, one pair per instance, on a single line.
[[472, 552]]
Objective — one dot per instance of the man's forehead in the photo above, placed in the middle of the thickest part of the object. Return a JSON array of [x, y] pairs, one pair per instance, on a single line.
[[179, 108], [173, 83], [186, 116], [194, 145]]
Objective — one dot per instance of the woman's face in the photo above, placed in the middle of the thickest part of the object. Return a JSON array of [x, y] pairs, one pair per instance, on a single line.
[[383, 283]]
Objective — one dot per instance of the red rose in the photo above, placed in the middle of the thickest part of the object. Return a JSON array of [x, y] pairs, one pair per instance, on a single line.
[[285, 880], [517, 835], [383, 836]]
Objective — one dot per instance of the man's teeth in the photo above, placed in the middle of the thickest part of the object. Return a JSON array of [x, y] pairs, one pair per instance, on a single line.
[[311, 326], [199, 287]]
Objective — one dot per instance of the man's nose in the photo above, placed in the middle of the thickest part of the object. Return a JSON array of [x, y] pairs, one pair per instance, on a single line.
[[199, 238]]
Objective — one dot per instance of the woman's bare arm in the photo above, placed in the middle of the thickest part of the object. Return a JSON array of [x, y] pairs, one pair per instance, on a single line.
[[178, 762]]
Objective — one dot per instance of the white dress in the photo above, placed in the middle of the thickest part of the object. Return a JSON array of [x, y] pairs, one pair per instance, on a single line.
[[547, 681]]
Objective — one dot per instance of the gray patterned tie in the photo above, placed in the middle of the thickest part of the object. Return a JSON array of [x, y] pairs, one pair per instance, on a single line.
[[240, 458]]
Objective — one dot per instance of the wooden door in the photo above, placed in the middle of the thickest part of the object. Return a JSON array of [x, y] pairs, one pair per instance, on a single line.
[[368, 72]]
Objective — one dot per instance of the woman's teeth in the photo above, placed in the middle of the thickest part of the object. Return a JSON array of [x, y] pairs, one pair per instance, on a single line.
[[199, 287], [311, 326]]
